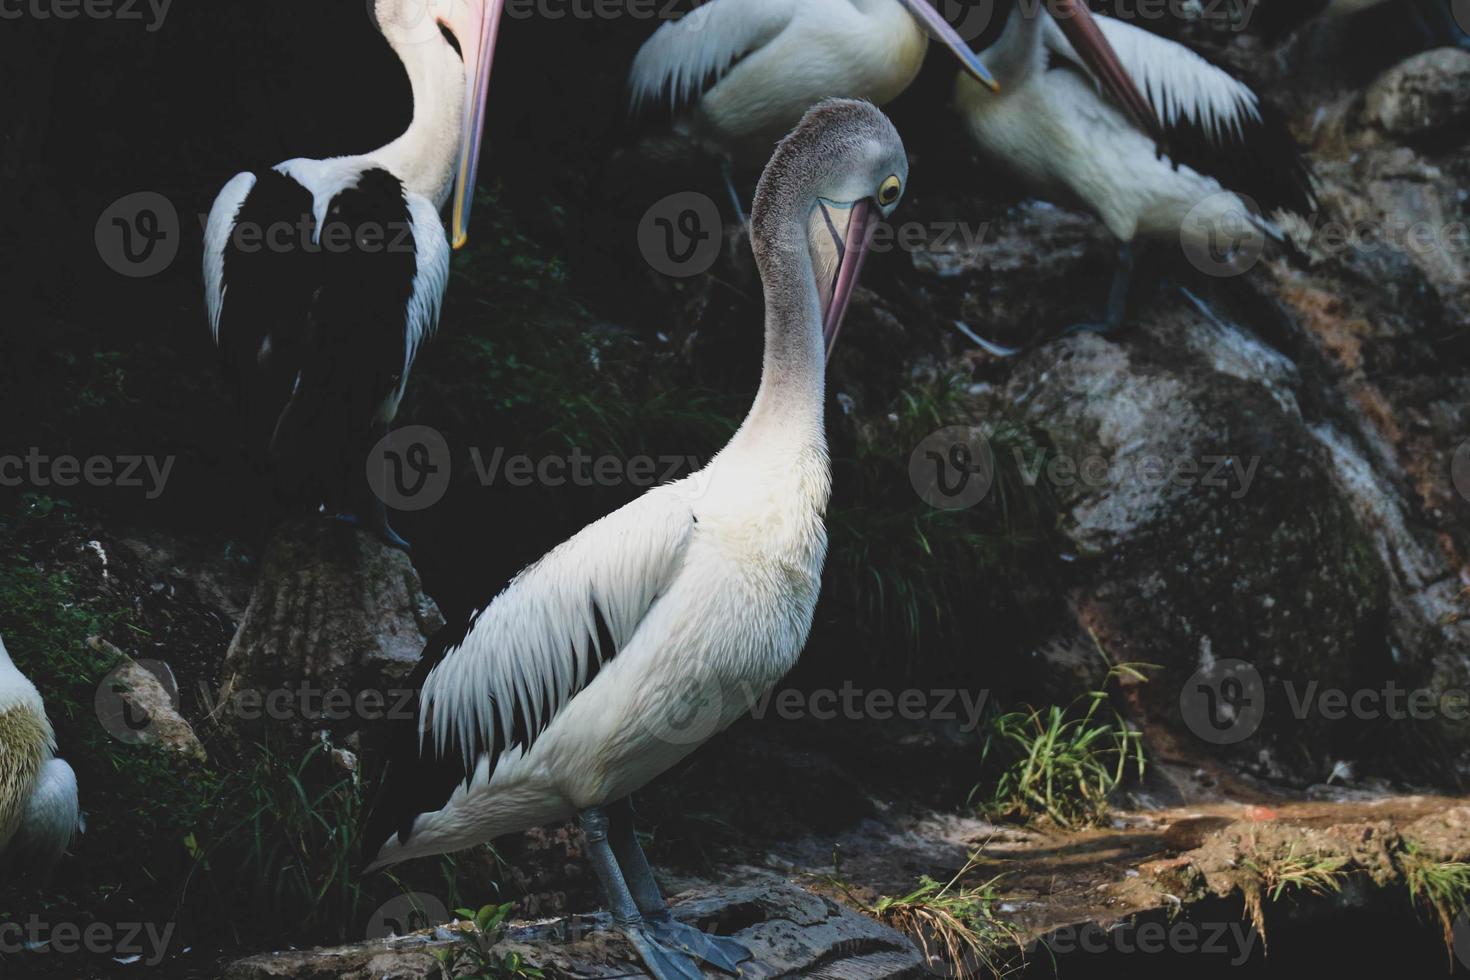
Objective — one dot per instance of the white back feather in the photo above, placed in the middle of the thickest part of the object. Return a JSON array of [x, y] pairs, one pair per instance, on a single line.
[[682, 56], [52, 818]]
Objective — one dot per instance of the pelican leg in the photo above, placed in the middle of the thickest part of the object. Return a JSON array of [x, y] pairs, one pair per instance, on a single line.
[[371, 515], [360, 505], [662, 962], [1117, 307], [718, 951]]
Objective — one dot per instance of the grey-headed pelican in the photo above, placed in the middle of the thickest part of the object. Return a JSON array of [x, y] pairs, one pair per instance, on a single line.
[[625, 648]]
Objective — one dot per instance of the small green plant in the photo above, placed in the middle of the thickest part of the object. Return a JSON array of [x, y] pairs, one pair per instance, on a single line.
[[954, 923], [1278, 873], [1061, 763], [1315, 874], [1441, 887], [475, 958], [292, 845]]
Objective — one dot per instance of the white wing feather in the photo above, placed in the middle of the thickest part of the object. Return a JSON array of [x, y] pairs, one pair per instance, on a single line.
[[682, 56], [52, 816], [533, 646], [216, 236], [1182, 87], [431, 280]]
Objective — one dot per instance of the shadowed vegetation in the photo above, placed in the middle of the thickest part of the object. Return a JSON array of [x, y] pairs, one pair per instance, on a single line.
[[1060, 763]]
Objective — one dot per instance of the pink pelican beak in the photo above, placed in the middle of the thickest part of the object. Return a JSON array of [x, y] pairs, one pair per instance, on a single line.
[[927, 14], [476, 24], [849, 228], [1092, 46]]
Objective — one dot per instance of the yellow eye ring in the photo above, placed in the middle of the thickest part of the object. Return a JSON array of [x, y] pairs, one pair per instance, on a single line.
[[888, 193]]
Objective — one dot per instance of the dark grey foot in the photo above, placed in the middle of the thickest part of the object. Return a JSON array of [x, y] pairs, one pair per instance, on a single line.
[[663, 961], [720, 952], [1117, 310], [1102, 328], [380, 528], [988, 346]]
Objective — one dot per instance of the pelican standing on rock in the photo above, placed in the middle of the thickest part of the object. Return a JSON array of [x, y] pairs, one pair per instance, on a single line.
[[39, 812], [324, 277], [622, 650], [1144, 133], [738, 74]]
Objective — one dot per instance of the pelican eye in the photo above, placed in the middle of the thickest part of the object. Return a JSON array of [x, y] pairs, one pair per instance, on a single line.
[[888, 193]]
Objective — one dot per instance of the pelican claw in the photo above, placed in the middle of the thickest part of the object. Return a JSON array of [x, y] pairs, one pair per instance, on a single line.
[[662, 962], [720, 952]]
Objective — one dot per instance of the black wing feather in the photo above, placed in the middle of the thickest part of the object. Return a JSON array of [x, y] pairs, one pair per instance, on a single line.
[[313, 327]]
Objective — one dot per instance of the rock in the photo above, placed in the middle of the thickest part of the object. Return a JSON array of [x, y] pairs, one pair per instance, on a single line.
[[792, 932], [1426, 95], [337, 618], [148, 698], [1220, 522]]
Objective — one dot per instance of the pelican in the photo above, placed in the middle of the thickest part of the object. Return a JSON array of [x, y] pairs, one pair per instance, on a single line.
[[1198, 159], [39, 813], [746, 70], [625, 648], [323, 278]]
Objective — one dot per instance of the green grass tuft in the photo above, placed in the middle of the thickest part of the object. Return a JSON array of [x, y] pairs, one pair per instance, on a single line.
[[1440, 887], [954, 924], [1061, 763]]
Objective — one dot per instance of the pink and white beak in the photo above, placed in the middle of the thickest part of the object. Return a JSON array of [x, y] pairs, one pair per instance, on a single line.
[[476, 24], [1092, 46], [850, 229]]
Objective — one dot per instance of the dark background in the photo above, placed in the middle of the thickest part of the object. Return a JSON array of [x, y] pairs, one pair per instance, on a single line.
[[92, 362]]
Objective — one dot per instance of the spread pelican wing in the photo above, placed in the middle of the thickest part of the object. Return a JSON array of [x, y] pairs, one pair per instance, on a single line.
[[1212, 122]]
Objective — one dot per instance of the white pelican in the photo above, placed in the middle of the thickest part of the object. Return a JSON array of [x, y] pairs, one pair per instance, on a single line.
[[746, 70], [324, 277], [39, 813], [1052, 125], [625, 648]]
